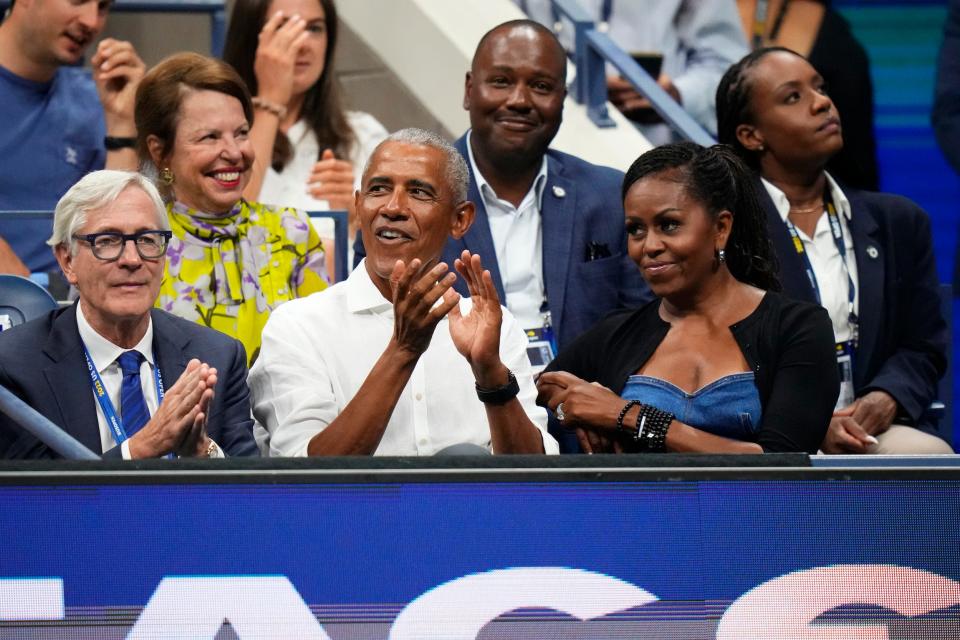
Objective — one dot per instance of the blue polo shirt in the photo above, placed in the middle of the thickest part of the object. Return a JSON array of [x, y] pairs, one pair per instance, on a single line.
[[51, 135]]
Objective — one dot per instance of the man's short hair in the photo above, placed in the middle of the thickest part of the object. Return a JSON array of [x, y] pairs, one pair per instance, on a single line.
[[95, 191], [522, 22], [455, 171]]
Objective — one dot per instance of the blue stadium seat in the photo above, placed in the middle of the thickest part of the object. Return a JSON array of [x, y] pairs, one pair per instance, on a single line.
[[21, 300]]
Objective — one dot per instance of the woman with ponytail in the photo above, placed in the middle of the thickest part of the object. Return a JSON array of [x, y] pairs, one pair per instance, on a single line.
[[722, 362], [866, 257]]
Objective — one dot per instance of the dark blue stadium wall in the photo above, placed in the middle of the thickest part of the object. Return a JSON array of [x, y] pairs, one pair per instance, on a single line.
[[902, 40]]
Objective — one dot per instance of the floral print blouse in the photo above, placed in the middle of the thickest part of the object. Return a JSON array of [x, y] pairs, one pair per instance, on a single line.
[[229, 272]]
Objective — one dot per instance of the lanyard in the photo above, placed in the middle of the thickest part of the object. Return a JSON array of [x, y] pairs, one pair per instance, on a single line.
[[836, 230], [99, 390]]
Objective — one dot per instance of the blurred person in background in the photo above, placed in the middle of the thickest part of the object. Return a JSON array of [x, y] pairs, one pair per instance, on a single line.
[[310, 151], [58, 123]]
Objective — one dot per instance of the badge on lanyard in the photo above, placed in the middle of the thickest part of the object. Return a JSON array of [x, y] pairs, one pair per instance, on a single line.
[[542, 345], [845, 367]]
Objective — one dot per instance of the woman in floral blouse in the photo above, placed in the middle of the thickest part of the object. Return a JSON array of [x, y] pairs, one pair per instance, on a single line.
[[230, 262]]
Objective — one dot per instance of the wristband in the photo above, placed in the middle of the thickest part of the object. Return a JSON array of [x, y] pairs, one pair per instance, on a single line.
[[115, 143], [499, 395], [623, 414], [270, 107], [652, 427]]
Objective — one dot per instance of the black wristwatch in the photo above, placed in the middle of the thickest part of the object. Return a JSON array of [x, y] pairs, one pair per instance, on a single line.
[[500, 395], [113, 143]]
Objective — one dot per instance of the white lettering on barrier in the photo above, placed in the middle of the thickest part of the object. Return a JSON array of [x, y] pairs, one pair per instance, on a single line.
[[270, 607], [458, 609], [784, 607], [256, 606], [31, 599]]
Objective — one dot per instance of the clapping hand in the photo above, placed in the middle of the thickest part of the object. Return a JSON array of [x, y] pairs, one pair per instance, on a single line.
[[179, 425], [477, 334], [415, 308]]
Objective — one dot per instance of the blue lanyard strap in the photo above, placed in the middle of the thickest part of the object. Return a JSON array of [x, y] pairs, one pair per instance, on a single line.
[[836, 230], [100, 391]]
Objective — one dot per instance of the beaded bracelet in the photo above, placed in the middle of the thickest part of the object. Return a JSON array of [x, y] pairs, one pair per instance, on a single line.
[[623, 414], [270, 107], [652, 426]]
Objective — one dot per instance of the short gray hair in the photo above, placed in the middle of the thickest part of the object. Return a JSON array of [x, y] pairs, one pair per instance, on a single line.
[[455, 173], [95, 191]]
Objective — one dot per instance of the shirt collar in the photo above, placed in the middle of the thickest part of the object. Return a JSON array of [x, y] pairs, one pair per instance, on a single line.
[[780, 201], [362, 294], [102, 351], [489, 196]]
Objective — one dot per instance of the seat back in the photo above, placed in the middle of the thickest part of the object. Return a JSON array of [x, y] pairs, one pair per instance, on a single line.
[[21, 300]]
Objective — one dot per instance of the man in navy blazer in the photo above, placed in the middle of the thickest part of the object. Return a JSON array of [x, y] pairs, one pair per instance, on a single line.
[[514, 93], [549, 226], [121, 377], [902, 334]]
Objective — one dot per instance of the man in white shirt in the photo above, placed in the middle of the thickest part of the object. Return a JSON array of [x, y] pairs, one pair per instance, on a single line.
[[392, 361], [119, 376]]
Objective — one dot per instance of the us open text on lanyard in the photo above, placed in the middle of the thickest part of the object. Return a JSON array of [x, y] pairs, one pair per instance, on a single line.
[[100, 391], [845, 350]]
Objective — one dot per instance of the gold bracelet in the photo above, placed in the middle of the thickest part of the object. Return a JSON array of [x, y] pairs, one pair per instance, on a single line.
[[270, 107]]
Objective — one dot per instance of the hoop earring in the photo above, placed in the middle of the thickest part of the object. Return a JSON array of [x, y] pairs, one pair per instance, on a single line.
[[166, 175]]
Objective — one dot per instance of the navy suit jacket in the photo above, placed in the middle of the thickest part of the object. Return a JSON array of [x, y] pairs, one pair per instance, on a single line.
[[903, 336], [580, 292], [42, 362]]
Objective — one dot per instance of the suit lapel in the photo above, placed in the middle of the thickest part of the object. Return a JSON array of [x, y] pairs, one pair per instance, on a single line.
[[69, 381], [793, 269], [557, 219], [870, 276], [478, 238], [169, 348]]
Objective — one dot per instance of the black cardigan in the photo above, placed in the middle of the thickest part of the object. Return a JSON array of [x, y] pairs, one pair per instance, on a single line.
[[789, 345]]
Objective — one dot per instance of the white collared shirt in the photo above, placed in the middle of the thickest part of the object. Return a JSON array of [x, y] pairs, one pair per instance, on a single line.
[[518, 243], [104, 355], [825, 259], [317, 352]]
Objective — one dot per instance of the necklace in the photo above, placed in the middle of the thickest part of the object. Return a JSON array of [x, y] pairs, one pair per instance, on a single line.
[[819, 208]]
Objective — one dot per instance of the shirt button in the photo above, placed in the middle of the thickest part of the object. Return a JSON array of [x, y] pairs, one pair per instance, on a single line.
[[282, 291], [423, 442], [419, 396], [276, 263]]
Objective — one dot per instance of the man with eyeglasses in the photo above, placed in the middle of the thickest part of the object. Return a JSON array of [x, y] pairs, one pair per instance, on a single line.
[[121, 377]]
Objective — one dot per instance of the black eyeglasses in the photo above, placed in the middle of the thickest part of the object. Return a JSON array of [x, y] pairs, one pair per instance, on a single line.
[[109, 244]]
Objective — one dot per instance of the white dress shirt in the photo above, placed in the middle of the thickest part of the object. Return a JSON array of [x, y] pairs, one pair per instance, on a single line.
[[828, 266], [518, 243], [317, 352], [104, 355]]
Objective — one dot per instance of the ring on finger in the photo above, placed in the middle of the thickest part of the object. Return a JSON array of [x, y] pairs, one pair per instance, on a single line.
[[559, 412]]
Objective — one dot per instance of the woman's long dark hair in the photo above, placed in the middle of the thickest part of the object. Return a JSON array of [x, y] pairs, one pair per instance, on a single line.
[[322, 109], [733, 101], [717, 178]]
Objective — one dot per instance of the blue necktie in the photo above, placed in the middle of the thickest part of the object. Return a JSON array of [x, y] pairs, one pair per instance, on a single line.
[[133, 406]]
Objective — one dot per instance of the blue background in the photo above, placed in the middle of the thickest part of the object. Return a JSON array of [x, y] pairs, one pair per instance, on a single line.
[[390, 543]]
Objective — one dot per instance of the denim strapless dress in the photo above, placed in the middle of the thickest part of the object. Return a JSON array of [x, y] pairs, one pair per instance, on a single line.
[[728, 407]]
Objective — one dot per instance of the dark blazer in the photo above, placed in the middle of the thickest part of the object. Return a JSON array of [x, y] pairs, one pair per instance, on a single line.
[[903, 336], [579, 291], [42, 362]]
